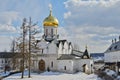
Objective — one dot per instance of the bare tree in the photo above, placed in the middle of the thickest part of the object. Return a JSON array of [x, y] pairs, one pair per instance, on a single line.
[[13, 46], [26, 43]]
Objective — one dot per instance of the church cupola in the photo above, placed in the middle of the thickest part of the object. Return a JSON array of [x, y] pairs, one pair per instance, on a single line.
[[50, 21], [50, 25], [86, 54]]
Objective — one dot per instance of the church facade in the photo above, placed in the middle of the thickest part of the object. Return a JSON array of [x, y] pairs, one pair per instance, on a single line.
[[58, 55]]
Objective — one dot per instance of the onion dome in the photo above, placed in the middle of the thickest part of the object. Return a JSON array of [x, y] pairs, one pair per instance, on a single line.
[[50, 21]]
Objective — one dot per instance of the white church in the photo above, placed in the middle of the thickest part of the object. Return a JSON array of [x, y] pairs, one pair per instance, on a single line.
[[58, 55]]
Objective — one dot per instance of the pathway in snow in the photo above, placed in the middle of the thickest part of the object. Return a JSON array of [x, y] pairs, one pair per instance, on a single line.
[[53, 76]]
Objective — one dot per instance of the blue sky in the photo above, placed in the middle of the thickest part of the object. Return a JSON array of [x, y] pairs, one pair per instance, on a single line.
[[83, 22]]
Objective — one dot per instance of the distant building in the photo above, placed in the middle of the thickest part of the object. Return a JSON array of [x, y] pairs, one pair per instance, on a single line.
[[112, 56], [98, 59], [10, 61]]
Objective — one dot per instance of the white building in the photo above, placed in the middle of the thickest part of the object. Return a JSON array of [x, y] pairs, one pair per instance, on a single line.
[[10, 61], [58, 55], [112, 56]]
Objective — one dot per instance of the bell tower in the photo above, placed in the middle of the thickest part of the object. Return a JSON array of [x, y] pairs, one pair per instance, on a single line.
[[50, 25]]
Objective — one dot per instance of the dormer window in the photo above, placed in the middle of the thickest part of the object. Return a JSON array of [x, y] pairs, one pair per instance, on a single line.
[[115, 47], [110, 48]]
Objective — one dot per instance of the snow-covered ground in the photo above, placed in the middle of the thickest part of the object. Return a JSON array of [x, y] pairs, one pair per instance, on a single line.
[[53, 76]]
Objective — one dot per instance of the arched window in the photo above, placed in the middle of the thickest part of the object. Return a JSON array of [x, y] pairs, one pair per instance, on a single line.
[[46, 31], [64, 67], [52, 31], [41, 65], [56, 31], [51, 64], [2, 61]]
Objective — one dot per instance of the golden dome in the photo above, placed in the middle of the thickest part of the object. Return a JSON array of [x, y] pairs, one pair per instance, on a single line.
[[50, 21]]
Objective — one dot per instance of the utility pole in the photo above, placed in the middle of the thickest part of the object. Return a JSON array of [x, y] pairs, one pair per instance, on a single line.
[[23, 46], [29, 47]]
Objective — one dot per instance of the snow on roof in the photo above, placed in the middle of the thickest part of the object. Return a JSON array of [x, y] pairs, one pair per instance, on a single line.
[[68, 57], [114, 47], [9, 55]]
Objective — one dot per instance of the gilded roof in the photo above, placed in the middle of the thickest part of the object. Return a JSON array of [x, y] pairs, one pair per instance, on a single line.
[[50, 21]]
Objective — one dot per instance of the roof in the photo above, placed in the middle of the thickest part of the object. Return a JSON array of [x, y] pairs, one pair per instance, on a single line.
[[68, 57], [63, 41], [9, 55], [60, 41], [114, 47], [86, 54], [77, 53], [50, 21]]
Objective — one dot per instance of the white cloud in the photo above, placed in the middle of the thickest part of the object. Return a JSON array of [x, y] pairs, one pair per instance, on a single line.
[[7, 30], [82, 13], [102, 3], [67, 14], [92, 22], [6, 20], [63, 33], [4, 28], [12, 12], [97, 38], [5, 43], [8, 17]]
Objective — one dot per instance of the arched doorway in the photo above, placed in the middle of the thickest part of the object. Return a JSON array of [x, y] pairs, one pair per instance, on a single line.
[[41, 65], [84, 67]]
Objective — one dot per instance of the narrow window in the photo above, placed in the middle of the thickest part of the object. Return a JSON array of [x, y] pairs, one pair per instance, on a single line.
[[64, 67], [42, 51], [52, 31], [46, 31], [115, 47], [51, 64], [56, 31], [110, 48], [5, 61]]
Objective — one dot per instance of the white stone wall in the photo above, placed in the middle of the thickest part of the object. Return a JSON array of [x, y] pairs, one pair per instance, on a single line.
[[88, 62], [52, 48], [60, 49], [70, 49], [48, 59], [6, 61], [68, 64], [49, 30], [48, 48], [2, 62], [112, 56], [65, 50], [49, 34], [76, 66]]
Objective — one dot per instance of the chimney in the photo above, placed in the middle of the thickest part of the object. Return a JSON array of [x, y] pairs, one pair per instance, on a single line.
[[119, 38], [112, 41], [115, 40]]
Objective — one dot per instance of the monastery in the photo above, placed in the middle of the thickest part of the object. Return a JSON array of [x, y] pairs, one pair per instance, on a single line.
[[59, 55]]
